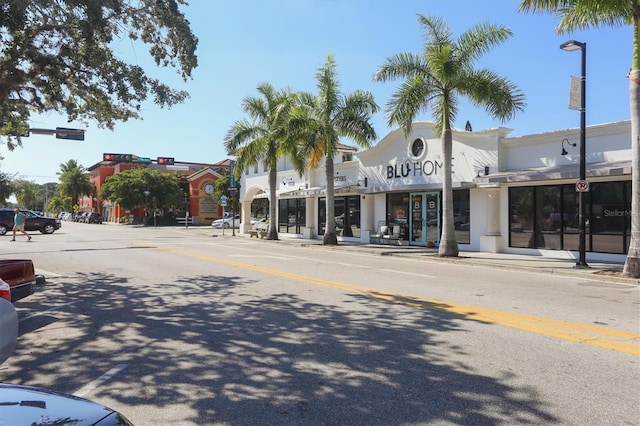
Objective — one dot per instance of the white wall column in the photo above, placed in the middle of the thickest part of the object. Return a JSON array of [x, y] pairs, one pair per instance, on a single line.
[[491, 241], [309, 231], [245, 216]]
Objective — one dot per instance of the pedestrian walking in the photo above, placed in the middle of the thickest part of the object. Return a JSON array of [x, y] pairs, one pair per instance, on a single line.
[[19, 220]]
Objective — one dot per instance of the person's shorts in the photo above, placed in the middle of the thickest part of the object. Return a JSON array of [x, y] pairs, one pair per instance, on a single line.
[[18, 227]]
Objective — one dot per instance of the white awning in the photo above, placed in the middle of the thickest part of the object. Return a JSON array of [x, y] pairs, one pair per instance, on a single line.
[[567, 171]]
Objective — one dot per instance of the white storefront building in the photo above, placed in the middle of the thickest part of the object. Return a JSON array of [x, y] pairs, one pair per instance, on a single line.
[[511, 194]]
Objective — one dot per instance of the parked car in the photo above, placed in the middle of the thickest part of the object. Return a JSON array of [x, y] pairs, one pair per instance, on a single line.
[[27, 405], [255, 220], [227, 222], [93, 217], [20, 275], [33, 222], [81, 216], [8, 329]]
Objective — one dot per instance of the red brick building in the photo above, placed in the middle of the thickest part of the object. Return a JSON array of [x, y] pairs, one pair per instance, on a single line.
[[196, 179]]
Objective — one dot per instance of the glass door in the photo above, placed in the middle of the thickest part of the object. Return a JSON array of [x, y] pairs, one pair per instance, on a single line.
[[433, 217], [424, 224], [418, 218]]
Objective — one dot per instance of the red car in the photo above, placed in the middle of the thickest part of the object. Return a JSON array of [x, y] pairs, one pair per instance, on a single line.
[[20, 275]]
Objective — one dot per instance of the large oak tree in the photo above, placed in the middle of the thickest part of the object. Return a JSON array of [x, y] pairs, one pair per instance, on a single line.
[[57, 55]]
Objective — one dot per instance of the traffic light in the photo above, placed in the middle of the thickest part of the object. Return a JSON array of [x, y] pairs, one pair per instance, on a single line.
[[121, 158], [166, 161]]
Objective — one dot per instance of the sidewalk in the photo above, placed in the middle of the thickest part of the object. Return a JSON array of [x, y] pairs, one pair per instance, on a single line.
[[597, 270], [605, 271]]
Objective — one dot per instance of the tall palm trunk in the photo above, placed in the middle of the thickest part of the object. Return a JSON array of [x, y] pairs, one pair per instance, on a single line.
[[330, 236], [273, 204], [632, 264], [448, 244]]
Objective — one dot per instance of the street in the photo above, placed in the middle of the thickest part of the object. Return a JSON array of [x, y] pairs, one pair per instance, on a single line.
[[177, 326]]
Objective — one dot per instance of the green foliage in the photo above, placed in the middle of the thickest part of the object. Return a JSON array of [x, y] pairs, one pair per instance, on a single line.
[[127, 189], [325, 118], [74, 181], [6, 188], [267, 137], [58, 56], [222, 188], [59, 204], [436, 80], [26, 192]]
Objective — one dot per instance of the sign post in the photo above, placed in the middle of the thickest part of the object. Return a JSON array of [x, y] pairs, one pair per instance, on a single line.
[[223, 203]]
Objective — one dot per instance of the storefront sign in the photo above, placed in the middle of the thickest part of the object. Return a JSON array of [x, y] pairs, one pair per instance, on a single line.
[[414, 169]]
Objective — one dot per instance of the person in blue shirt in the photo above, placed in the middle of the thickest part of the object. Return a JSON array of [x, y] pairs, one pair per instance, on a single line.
[[19, 219]]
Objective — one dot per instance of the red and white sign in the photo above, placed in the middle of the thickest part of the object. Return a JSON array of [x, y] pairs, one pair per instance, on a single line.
[[582, 186]]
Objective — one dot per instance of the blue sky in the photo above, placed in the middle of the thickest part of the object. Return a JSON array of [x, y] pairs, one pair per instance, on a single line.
[[246, 42]]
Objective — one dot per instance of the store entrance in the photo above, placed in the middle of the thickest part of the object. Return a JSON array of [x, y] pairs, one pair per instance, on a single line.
[[424, 221]]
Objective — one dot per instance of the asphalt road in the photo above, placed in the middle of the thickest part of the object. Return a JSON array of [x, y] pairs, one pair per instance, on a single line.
[[175, 326]]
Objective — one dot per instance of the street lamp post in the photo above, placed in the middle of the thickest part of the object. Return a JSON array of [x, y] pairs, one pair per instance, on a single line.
[[146, 205], [154, 201], [571, 46]]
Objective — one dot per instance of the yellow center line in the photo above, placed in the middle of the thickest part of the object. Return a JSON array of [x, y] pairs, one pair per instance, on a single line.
[[602, 337]]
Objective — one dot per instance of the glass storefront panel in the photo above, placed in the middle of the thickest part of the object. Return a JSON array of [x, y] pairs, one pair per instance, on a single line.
[[609, 213], [520, 216], [349, 221], [548, 217], [397, 212], [347, 215], [398, 204], [283, 214], [292, 215], [461, 215], [571, 231]]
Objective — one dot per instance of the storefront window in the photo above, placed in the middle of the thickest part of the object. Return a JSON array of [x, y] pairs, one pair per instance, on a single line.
[[548, 217], [292, 215], [571, 231], [521, 217], [397, 211], [398, 206], [461, 215], [347, 215], [610, 217]]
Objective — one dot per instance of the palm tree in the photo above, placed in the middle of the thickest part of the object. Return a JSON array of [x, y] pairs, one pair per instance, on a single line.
[[265, 139], [75, 181], [26, 193], [437, 79], [68, 166], [582, 14], [329, 116]]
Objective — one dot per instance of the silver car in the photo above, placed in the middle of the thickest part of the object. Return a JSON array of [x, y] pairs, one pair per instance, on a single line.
[[27, 406]]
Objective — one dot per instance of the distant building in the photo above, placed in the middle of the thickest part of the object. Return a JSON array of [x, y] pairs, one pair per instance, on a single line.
[[197, 179]]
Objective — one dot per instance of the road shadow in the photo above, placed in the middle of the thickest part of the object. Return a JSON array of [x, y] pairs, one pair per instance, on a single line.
[[235, 354]]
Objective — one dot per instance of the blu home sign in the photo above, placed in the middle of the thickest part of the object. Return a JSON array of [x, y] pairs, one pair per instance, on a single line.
[[415, 167]]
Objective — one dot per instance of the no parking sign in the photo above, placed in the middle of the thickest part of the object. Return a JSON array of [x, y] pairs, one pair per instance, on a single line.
[[582, 186]]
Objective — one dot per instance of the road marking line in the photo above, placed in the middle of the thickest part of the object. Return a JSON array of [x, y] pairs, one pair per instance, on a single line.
[[37, 314], [598, 336], [89, 387], [251, 256]]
